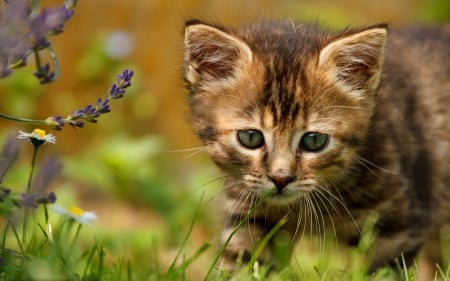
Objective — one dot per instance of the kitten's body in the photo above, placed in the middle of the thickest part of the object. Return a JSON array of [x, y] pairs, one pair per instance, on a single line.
[[386, 127]]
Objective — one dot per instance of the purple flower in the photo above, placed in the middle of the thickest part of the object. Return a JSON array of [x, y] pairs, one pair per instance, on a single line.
[[76, 123], [8, 155], [124, 79], [91, 113], [115, 92], [44, 74], [24, 30], [55, 121], [14, 34], [102, 106], [32, 200], [77, 114], [50, 21], [49, 169], [48, 198]]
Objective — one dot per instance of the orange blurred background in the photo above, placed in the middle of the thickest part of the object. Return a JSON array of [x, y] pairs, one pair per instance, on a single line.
[[154, 29]]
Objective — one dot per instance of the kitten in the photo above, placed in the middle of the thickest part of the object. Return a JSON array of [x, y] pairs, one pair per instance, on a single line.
[[333, 127]]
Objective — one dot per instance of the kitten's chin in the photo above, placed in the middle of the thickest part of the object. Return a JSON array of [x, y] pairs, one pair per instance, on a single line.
[[282, 198]]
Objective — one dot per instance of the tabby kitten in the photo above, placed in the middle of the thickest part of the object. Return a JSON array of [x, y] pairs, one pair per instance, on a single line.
[[331, 127]]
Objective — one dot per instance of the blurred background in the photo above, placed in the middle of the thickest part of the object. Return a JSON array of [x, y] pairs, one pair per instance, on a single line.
[[132, 167]]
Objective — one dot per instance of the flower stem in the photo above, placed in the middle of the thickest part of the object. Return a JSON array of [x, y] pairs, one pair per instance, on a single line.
[[75, 239], [37, 59], [30, 179], [33, 164], [48, 226], [23, 120], [54, 61]]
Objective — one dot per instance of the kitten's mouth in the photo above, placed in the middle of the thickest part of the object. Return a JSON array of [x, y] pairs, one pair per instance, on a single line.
[[282, 197]]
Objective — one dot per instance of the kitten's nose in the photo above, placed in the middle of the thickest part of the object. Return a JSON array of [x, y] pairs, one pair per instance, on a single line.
[[281, 181]]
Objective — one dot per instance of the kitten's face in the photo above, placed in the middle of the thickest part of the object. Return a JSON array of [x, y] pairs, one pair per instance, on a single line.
[[279, 119]]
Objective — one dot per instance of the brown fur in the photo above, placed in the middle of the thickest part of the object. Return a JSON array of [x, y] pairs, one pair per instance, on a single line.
[[384, 106]]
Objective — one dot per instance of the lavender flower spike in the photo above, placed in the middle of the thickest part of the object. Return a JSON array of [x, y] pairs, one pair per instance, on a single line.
[[55, 121], [115, 92], [124, 79]]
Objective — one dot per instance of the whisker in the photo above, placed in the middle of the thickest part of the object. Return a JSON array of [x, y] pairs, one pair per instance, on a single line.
[[186, 149], [194, 151], [341, 202], [224, 188], [237, 206], [367, 167], [362, 159], [320, 222], [324, 200], [299, 221], [192, 154], [310, 214]]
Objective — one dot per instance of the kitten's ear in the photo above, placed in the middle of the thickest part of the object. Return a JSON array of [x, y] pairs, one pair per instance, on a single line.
[[355, 61], [211, 54]]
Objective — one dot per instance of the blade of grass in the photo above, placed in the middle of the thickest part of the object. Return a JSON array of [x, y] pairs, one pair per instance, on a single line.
[[257, 252], [171, 271], [198, 253], [129, 271], [88, 263]]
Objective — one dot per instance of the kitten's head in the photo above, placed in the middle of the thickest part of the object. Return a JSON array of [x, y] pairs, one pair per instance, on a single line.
[[282, 108]]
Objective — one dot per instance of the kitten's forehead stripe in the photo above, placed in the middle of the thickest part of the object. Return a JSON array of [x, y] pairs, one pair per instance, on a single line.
[[286, 53], [281, 96]]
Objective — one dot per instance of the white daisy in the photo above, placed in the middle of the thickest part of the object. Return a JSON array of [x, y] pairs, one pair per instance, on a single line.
[[38, 136], [77, 214]]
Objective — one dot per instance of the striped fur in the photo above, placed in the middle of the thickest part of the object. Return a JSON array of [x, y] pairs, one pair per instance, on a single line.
[[382, 103]]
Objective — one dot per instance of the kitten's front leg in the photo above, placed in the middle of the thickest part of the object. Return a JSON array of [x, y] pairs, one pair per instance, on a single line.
[[241, 243], [397, 249]]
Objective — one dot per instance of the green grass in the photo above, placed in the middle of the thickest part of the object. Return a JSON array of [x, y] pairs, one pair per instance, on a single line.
[[41, 244], [70, 254]]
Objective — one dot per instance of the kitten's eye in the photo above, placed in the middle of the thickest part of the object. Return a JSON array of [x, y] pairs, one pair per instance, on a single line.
[[313, 141], [251, 138]]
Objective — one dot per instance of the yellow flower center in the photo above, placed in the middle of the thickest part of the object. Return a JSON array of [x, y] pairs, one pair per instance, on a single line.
[[75, 211], [41, 133]]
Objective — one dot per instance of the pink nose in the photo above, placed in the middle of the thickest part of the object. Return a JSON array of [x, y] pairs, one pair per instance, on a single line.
[[281, 182]]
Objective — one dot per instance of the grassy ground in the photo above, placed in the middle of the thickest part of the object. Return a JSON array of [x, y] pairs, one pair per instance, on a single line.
[[152, 228]]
